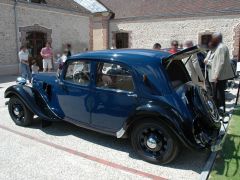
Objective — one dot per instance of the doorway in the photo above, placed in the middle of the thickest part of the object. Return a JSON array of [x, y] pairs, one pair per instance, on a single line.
[[122, 40], [35, 41]]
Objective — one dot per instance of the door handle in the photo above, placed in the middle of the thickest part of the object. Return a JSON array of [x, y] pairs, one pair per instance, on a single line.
[[62, 85], [132, 95]]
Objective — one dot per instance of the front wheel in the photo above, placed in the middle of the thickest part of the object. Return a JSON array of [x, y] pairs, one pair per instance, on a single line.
[[19, 113], [154, 142]]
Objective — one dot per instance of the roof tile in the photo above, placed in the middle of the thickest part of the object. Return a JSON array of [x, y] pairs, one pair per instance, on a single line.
[[171, 8]]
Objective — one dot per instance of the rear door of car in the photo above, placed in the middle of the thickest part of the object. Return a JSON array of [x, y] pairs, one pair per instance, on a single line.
[[114, 95]]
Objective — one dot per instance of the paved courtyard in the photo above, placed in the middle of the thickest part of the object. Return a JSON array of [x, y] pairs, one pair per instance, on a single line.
[[64, 151]]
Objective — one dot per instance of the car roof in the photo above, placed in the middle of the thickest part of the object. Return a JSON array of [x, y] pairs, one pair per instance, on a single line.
[[127, 56]]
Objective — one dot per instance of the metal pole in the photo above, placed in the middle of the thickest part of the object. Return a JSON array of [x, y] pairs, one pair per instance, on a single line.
[[237, 93]]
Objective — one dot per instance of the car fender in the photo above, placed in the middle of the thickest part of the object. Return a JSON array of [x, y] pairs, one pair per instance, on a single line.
[[29, 96], [167, 115]]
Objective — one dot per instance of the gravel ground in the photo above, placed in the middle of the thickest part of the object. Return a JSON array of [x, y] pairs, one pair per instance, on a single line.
[[23, 158]]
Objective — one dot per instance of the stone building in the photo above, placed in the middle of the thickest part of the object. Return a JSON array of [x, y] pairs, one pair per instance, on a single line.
[[33, 22], [141, 23], [117, 23]]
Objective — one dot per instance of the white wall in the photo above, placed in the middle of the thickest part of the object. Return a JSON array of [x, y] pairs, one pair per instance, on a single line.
[[67, 27], [147, 32]]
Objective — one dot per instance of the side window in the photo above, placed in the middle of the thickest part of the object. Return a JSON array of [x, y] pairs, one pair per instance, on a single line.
[[78, 72], [113, 76]]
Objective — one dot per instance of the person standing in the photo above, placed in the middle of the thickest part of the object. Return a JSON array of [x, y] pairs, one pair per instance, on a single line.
[[221, 70], [23, 58], [69, 50], [34, 67], [174, 47], [208, 69], [157, 46], [193, 67], [47, 55], [64, 56]]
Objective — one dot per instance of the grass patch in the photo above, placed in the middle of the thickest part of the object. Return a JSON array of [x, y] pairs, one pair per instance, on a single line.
[[227, 166]]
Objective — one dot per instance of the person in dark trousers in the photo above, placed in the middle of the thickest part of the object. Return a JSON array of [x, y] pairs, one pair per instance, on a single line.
[[221, 71], [23, 58], [69, 50]]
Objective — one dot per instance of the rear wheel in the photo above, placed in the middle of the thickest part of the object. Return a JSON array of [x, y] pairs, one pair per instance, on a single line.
[[154, 142], [19, 113], [206, 108]]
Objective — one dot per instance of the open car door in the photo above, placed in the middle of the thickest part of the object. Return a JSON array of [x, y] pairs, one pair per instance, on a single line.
[[197, 98], [185, 53]]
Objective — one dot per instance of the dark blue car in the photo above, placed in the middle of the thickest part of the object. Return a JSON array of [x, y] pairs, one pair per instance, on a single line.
[[144, 95]]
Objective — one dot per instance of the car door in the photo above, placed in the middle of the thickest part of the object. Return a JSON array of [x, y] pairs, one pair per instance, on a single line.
[[114, 96], [75, 89]]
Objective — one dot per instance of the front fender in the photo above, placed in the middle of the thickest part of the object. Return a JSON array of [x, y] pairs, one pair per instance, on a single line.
[[170, 117], [33, 100]]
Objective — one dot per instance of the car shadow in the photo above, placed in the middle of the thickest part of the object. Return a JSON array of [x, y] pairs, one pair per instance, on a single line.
[[187, 159]]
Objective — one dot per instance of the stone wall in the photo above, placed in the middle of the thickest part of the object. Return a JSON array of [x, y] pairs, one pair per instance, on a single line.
[[146, 32], [8, 55], [66, 27]]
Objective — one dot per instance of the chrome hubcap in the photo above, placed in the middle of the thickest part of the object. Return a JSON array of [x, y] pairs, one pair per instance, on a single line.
[[16, 111], [151, 143]]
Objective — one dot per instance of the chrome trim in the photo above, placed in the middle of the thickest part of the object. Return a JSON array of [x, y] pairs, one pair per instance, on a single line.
[[16, 111], [151, 143], [120, 133]]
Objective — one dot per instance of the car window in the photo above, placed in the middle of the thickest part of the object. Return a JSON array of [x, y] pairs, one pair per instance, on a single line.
[[177, 73], [78, 72], [114, 76]]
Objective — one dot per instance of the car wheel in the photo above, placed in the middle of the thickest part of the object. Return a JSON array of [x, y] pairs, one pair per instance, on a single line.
[[19, 113], [206, 107], [154, 142]]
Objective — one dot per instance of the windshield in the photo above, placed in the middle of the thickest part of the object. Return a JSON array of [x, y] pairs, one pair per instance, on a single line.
[[177, 72]]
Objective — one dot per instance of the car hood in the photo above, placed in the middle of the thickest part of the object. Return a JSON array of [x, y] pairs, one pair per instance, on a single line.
[[46, 77]]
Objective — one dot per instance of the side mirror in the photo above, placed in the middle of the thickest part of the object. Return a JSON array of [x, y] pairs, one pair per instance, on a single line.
[[21, 80]]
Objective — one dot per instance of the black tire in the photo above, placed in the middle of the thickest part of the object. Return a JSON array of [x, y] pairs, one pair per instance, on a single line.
[[167, 144], [19, 113], [206, 108]]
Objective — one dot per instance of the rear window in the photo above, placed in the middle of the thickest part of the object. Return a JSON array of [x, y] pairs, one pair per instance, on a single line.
[[114, 76], [177, 72]]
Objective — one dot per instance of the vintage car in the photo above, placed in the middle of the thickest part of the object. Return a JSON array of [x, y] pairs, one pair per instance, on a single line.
[[144, 95]]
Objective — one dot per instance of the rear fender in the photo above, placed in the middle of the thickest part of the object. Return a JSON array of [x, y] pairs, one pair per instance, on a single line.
[[29, 97], [167, 116]]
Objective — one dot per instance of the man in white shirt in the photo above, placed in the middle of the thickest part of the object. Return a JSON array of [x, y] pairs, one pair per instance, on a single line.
[[23, 58], [221, 69]]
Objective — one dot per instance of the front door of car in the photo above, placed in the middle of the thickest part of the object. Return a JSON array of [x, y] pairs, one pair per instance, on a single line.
[[75, 90], [114, 96]]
